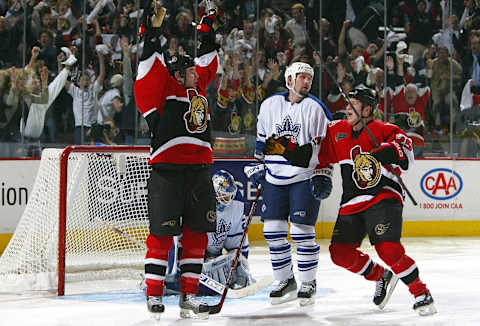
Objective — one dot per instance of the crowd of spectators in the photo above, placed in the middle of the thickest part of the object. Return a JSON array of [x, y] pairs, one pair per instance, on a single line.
[[426, 70]]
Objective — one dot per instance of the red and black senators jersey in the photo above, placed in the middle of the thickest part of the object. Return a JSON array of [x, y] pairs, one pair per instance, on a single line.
[[365, 180], [178, 118]]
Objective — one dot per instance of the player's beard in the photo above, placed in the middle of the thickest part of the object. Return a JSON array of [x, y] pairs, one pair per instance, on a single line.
[[303, 91]]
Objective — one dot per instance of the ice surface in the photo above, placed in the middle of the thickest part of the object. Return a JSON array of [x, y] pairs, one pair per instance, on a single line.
[[449, 266]]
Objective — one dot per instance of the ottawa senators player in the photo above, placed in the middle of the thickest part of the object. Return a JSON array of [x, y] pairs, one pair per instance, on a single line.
[[181, 199], [372, 200]]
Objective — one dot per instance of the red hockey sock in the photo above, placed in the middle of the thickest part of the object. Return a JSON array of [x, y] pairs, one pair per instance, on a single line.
[[348, 256], [191, 261], [156, 262], [376, 273], [154, 287], [417, 287]]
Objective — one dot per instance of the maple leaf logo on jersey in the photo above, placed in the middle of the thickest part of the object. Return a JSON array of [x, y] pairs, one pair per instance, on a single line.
[[218, 237], [366, 169], [196, 116], [288, 128]]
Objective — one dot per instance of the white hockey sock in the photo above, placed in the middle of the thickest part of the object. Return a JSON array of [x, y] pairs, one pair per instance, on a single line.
[[275, 232], [307, 251]]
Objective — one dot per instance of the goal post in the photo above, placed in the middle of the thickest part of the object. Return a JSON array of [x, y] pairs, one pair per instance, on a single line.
[[81, 196]]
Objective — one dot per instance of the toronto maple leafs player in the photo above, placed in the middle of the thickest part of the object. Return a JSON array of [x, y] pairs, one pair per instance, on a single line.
[[222, 243], [292, 193]]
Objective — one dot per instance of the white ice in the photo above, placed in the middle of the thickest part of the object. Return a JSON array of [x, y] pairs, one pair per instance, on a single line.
[[449, 266]]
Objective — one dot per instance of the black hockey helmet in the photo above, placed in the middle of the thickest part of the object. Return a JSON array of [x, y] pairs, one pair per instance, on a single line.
[[366, 95], [180, 63]]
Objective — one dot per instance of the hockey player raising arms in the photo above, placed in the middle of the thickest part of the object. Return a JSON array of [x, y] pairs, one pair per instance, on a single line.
[[181, 198], [372, 199], [289, 190]]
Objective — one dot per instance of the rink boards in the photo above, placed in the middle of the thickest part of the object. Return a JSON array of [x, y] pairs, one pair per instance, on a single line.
[[446, 192]]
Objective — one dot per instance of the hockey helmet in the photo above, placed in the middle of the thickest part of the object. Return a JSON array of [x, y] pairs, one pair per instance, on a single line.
[[180, 63], [297, 68], [225, 188], [366, 95]]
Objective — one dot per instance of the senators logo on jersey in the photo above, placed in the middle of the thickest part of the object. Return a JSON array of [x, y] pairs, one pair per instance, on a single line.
[[366, 169], [196, 117]]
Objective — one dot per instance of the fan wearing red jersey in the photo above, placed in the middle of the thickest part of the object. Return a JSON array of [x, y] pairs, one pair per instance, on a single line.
[[372, 198], [181, 199]]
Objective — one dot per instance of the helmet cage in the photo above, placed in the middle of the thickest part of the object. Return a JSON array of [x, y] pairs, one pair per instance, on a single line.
[[225, 188]]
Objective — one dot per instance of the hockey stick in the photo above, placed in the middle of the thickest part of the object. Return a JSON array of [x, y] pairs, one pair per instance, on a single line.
[[205, 280], [364, 125], [215, 309]]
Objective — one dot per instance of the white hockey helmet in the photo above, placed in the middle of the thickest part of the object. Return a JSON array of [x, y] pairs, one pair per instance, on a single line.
[[225, 188], [297, 68]]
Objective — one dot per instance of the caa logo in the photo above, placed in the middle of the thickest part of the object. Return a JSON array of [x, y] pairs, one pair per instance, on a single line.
[[441, 184]]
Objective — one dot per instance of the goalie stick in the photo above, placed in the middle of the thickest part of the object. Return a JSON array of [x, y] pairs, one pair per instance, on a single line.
[[215, 309], [205, 280]]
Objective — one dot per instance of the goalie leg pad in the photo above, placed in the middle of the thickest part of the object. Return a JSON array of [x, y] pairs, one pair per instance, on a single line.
[[219, 268]]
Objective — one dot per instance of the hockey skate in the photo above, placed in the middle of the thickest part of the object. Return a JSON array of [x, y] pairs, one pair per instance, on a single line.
[[307, 292], [384, 288], [283, 291], [155, 306], [191, 307], [424, 305]]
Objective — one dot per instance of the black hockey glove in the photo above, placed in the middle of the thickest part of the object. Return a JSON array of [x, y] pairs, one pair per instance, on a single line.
[[321, 183], [206, 34], [391, 153]]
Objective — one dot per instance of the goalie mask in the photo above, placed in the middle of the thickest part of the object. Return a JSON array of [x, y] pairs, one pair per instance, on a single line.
[[225, 188], [294, 69]]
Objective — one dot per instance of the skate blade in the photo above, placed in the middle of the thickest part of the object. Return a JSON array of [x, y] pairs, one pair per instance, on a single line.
[[306, 301], [156, 316], [391, 287], [286, 298], [427, 310], [189, 314]]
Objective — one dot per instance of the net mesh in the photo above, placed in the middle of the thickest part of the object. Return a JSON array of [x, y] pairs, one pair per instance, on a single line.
[[107, 222]]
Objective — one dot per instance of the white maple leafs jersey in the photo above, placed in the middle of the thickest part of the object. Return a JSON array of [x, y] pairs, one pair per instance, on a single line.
[[230, 226], [302, 122]]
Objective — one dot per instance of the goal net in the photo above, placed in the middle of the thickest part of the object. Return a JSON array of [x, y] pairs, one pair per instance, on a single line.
[[86, 219]]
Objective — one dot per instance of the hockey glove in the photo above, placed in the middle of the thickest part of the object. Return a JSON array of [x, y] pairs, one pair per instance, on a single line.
[[206, 34], [321, 183], [390, 153], [277, 145], [296, 155], [255, 172]]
